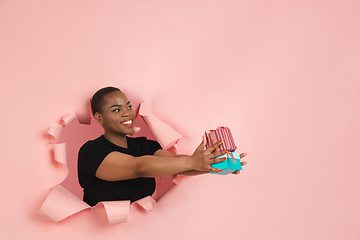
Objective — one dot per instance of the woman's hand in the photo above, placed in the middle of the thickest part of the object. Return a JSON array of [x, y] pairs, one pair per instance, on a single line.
[[242, 163], [202, 159]]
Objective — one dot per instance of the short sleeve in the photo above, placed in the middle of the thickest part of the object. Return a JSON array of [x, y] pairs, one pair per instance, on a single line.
[[154, 146], [141, 146], [91, 155]]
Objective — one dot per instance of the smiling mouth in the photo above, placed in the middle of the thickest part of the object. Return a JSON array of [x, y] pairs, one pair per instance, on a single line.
[[128, 123]]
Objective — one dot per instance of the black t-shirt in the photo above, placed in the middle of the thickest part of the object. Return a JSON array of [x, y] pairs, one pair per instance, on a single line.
[[91, 155]]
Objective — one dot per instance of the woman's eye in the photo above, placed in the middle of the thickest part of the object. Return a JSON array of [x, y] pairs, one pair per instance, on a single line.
[[116, 110], [130, 107]]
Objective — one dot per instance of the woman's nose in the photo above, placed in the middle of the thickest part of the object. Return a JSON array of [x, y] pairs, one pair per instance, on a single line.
[[126, 113]]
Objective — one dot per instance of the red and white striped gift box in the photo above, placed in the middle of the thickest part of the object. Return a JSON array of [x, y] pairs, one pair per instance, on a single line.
[[221, 133]]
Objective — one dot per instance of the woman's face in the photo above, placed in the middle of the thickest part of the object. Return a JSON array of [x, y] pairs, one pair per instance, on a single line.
[[117, 115]]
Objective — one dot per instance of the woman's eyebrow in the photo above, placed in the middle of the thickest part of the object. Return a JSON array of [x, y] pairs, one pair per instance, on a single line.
[[119, 105]]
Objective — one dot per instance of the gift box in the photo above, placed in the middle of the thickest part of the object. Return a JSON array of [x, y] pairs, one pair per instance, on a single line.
[[221, 133], [230, 165]]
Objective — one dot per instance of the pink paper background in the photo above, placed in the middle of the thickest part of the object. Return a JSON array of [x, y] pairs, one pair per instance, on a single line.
[[283, 75]]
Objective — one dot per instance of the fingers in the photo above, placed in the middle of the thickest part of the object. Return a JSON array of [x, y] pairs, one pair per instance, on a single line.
[[218, 153], [217, 160], [243, 155], [215, 170], [214, 146], [207, 157], [204, 141], [202, 144]]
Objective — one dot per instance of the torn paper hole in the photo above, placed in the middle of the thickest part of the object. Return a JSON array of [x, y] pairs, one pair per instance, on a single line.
[[61, 203]]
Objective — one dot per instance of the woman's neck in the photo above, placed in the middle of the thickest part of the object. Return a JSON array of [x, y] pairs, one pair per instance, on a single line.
[[116, 139]]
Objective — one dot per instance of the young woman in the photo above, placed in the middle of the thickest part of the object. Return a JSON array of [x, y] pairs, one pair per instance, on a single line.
[[116, 167]]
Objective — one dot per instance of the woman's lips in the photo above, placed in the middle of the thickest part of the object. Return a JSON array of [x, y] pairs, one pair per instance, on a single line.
[[128, 123]]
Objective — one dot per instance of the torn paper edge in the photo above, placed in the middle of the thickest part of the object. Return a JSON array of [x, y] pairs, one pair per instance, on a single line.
[[61, 203]]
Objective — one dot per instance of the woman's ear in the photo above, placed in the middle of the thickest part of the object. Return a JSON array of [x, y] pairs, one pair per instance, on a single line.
[[98, 118]]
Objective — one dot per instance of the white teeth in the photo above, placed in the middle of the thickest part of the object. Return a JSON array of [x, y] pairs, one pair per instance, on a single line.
[[127, 122]]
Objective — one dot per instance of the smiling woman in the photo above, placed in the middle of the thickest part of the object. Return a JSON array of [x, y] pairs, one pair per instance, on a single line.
[[115, 115], [117, 167]]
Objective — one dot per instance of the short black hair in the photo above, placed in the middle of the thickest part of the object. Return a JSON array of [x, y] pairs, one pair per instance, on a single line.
[[97, 101]]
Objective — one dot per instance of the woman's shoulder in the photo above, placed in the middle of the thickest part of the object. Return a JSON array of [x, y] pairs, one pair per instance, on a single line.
[[97, 148]]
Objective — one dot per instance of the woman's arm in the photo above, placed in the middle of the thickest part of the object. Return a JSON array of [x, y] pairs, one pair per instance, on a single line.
[[118, 166], [165, 153]]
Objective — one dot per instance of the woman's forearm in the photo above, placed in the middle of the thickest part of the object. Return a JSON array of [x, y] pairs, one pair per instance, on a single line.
[[155, 166], [193, 173]]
